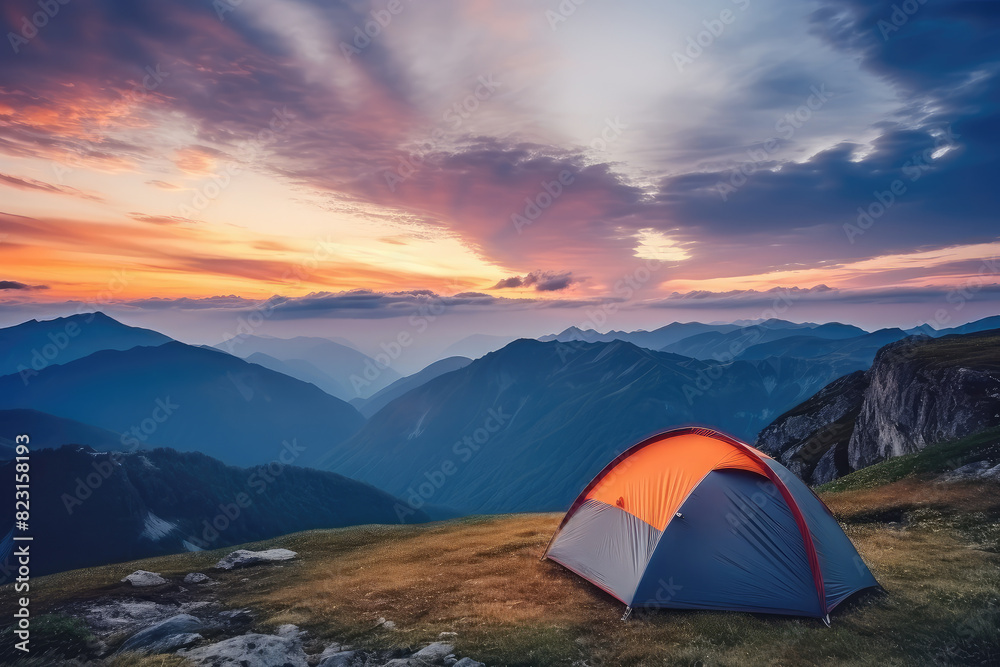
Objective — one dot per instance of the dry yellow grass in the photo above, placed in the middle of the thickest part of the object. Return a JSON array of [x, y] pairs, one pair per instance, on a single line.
[[912, 493], [482, 578]]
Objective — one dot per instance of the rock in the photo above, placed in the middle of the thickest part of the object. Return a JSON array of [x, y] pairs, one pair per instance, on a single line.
[[468, 662], [812, 438], [244, 557], [331, 649], [914, 399], [290, 631], [113, 615], [972, 471], [250, 650], [388, 625], [98, 646], [167, 635], [447, 635], [170, 643], [196, 578], [338, 659], [918, 392], [141, 578], [434, 653]]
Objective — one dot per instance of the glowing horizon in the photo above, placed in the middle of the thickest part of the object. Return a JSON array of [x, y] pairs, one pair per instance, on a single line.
[[185, 153]]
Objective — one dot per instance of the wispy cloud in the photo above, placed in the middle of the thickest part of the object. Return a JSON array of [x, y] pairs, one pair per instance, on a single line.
[[32, 185], [469, 163]]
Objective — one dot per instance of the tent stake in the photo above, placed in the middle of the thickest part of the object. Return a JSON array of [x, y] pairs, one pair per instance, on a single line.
[[628, 612], [826, 619]]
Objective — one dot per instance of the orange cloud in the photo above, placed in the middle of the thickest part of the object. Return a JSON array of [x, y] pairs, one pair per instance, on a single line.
[[196, 160], [133, 259]]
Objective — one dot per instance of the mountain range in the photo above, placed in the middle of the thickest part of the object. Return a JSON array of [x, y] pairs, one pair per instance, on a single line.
[[731, 344], [191, 398], [335, 367], [656, 339], [33, 346], [90, 508], [369, 406], [729, 340], [526, 426], [51, 431], [522, 428]]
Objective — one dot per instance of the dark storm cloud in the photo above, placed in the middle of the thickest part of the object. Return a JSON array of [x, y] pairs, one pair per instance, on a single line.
[[944, 58], [15, 285], [541, 281]]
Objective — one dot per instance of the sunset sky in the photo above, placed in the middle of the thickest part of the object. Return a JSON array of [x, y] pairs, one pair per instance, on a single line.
[[521, 163]]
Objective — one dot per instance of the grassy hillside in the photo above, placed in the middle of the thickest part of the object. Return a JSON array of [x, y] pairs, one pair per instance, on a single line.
[[933, 547], [931, 460], [979, 350]]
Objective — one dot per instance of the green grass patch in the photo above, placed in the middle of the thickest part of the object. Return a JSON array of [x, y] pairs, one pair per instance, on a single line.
[[937, 458]]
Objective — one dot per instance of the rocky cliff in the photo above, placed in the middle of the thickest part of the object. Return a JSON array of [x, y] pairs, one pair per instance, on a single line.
[[812, 438], [919, 391]]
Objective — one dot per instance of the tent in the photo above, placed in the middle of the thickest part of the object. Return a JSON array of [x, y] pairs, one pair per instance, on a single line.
[[694, 519]]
